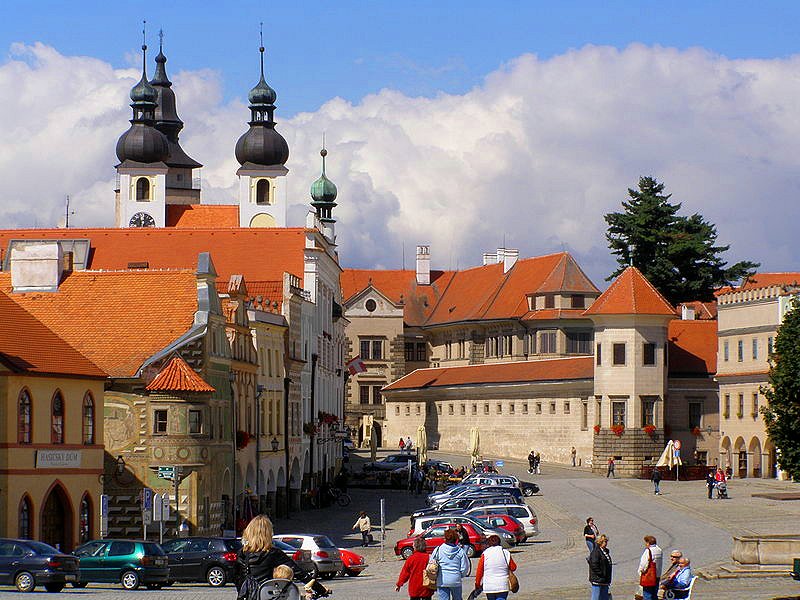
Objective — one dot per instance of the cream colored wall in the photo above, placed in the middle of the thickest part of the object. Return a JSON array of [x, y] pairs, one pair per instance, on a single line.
[[379, 372], [18, 472]]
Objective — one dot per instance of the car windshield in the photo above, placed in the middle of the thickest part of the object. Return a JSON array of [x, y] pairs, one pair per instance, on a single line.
[[323, 541], [41, 548]]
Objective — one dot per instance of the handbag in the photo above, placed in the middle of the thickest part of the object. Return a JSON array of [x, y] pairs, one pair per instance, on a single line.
[[649, 578], [430, 573], [513, 582]]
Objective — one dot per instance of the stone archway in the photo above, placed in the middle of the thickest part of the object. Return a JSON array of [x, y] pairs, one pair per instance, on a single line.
[[754, 464], [57, 519], [769, 460], [725, 457], [739, 463]]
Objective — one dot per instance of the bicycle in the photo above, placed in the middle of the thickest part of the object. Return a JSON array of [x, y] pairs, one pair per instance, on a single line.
[[341, 497]]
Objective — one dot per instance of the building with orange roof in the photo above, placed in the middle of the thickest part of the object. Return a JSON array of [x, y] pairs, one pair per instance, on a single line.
[[748, 319], [51, 433]]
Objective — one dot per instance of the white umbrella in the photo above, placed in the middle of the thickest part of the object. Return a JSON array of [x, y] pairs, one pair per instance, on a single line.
[[373, 443], [474, 444], [422, 444], [669, 459]]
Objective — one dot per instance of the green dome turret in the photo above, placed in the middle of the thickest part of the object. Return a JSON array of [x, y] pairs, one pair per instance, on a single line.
[[323, 193]]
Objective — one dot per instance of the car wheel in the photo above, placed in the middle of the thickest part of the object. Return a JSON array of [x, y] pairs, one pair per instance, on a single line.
[[406, 553], [24, 582], [130, 580], [80, 584], [528, 491], [470, 550], [215, 577], [54, 587], [154, 586]]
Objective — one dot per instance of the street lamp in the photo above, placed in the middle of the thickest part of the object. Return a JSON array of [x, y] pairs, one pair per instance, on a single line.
[[274, 443], [234, 427], [120, 465]]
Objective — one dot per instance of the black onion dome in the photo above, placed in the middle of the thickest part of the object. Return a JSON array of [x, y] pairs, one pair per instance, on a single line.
[[262, 145], [143, 92], [142, 143], [262, 93]]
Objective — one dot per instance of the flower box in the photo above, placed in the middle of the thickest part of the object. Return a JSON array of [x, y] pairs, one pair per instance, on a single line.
[[697, 432], [649, 429], [618, 430], [242, 439], [596, 428]]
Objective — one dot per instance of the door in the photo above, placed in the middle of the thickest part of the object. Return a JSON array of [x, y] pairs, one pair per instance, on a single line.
[[434, 539], [57, 521], [91, 557], [119, 556], [6, 558], [193, 559], [174, 550]]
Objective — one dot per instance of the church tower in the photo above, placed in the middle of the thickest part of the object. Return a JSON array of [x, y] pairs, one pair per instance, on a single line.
[[142, 150], [323, 196], [262, 153], [180, 188]]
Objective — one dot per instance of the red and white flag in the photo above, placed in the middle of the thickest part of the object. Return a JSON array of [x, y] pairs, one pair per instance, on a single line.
[[356, 366]]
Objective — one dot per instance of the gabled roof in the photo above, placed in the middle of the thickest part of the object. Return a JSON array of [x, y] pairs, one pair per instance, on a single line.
[[631, 294], [178, 376], [762, 280], [692, 347], [523, 371], [117, 319], [201, 216], [28, 345], [567, 276], [260, 254]]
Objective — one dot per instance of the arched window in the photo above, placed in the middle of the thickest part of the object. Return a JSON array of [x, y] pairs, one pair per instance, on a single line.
[[85, 519], [88, 419], [24, 418], [57, 419], [143, 189], [262, 191], [25, 516]]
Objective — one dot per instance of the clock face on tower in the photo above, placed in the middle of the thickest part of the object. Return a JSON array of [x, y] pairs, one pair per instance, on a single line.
[[142, 219]]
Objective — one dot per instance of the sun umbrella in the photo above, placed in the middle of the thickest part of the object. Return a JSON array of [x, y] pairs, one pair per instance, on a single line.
[[668, 458], [422, 445], [474, 444], [373, 443]]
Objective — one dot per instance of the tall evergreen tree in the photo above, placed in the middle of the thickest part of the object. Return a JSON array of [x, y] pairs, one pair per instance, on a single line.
[[676, 253], [782, 412]]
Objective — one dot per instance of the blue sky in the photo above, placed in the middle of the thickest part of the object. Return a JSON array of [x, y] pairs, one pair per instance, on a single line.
[[318, 50]]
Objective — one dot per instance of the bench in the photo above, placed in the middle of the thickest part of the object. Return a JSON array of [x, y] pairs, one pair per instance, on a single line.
[[671, 593]]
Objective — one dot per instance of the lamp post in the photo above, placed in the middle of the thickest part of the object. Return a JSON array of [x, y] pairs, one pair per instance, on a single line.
[[286, 383], [274, 443], [234, 427]]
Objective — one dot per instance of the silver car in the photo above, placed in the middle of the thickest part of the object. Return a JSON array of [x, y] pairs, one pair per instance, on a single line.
[[324, 553]]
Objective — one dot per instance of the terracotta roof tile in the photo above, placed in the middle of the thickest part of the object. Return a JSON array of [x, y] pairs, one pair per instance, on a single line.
[[178, 376], [692, 347], [567, 276], [762, 280], [116, 319], [200, 216], [513, 372], [270, 292], [26, 344], [547, 314], [631, 294]]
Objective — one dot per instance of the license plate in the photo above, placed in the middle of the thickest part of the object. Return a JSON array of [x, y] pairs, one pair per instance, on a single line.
[[70, 578]]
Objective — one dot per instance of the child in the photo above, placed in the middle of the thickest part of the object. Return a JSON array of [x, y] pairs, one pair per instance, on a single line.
[[283, 572]]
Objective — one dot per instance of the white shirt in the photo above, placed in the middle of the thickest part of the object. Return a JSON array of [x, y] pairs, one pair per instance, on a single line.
[[495, 569], [657, 558]]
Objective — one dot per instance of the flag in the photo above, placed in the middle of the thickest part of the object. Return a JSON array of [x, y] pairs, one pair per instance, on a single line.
[[356, 366]]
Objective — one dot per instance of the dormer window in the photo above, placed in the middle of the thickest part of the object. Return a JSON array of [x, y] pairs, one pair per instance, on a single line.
[[549, 301], [143, 189], [262, 192]]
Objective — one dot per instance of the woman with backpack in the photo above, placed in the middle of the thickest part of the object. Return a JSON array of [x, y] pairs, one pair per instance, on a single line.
[[258, 558]]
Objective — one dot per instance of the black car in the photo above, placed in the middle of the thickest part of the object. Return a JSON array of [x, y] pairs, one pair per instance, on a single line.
[[464, 503], [202, 559], [26, 564], [390, 463]]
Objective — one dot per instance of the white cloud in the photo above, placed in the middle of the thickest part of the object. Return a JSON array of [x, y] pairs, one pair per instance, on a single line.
[[536, 155]]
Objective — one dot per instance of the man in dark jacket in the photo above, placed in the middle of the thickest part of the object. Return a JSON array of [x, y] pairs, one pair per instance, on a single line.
[[656, 479], [531, 462], [600, 569], [710, 482]]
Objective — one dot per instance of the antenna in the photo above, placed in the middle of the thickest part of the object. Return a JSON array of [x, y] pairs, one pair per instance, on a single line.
[[67, 213], [261, 47], [160, 40]]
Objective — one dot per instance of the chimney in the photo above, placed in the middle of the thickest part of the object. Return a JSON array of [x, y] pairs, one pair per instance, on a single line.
[[36, 266], [508, 257], [687, 312], [423, 265], [489, 258]]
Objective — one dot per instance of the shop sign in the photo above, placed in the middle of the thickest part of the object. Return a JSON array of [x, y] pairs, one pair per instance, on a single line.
[[58, 459]]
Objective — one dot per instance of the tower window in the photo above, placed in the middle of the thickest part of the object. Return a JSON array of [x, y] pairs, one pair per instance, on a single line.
[[262, 192], [143, 189], [57, 419]]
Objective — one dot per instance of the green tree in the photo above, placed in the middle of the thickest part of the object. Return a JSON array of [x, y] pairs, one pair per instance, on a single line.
[[677, 254], [782, 412]]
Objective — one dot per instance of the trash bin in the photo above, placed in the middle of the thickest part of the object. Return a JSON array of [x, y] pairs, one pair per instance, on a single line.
[[796, 569]]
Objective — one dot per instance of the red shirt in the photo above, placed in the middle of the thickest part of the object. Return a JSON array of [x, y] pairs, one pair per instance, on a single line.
[[412, 573]]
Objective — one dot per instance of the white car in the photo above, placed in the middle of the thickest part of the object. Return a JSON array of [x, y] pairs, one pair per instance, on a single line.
[[522, 512], [324, 553]]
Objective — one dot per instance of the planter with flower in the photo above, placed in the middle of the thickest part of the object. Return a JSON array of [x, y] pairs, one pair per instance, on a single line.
[[618, 430], [649, 429], [596, 429], [242, 439], [310, 428]]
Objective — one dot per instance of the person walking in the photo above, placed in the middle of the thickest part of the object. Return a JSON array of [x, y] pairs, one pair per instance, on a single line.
[[537, 460], [656, 479], [574, 454], [531, 461], [710, 482], [412, 571], [453, 566], [402, 445], [364, 526], [650, 568], [600, 569], [409, 444], [494, 566], [611, 465], [590, 534]]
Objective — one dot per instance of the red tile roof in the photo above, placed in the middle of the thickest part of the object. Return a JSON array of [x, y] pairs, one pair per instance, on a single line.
[[200, 216], [631, 294], [178, 376], [117, 319], [762, 280], [556, 369], [547, 314], [703, 311], [260, 254], [692, 347], [28, 345], [567, 276], [270, 292]]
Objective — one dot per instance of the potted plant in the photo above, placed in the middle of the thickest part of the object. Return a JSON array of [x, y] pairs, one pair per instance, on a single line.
[[618, 429], [596, 429], [649, 429], [242, 439]]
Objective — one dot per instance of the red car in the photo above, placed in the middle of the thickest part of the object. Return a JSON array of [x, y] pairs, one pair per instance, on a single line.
[[434, 537], [510, 524], [353, 563]]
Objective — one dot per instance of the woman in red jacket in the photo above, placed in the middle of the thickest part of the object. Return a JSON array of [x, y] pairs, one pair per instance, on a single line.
[[412, 572]]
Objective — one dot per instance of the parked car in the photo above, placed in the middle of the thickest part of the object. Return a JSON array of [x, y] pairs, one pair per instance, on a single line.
[[129, 562], [481, 526], [454, 491], [463, 504], [439, 465], [26, 564], [202, 559], [508, 524], [302, 558], [434, 537], [522, 512], [497, 490], [389, 463], [490, 479], [325, 555], [352, 564]]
